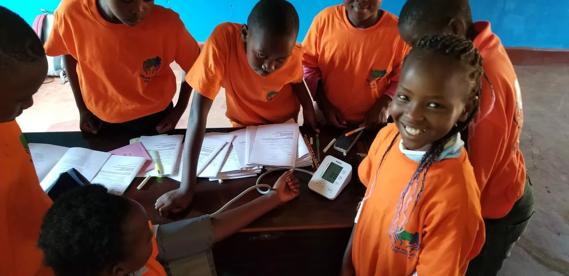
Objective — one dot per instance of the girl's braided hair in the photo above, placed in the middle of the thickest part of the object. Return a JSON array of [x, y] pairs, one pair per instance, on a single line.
[[464, 52]]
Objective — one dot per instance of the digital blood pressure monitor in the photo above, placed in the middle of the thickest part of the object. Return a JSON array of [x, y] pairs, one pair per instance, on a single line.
[[331, 177]]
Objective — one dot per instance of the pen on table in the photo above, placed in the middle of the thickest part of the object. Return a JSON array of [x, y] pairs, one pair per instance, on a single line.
[[143, 183], [157, 162], [329, 145], [354, 131]]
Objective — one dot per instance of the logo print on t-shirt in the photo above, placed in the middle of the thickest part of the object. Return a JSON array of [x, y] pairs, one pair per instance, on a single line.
[[375, 74], [271, 95], [24, 143], [150, 68], [406, 243]]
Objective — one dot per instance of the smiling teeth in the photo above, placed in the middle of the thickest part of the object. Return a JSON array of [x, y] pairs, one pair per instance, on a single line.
[[413, 131]]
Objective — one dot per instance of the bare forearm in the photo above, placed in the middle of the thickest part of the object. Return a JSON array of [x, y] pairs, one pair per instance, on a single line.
[[184, 97], [321, 98], [194, 138], [229, 222], [71, 67], [302, 95]]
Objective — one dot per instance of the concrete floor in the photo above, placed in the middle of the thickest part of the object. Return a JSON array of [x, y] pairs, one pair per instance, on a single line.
[[544, 247]]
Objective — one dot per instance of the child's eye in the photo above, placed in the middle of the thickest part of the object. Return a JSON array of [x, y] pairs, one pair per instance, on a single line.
[[402, 98], [261, 55], [434, 105]]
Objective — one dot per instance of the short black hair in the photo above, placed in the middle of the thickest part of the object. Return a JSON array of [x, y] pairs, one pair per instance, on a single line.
[[81, 232], [18, 42], [278, 17], [435, 12]]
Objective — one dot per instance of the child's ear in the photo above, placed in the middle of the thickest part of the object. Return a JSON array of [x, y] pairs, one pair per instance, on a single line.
[[244, 32], [470, 107], [118, 270], [458, 27]]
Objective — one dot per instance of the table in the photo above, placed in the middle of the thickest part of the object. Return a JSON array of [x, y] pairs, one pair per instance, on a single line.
[[304, 237]]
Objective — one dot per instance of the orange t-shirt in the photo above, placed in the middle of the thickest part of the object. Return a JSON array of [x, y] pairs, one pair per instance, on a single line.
[[22, 206], [124, 72], [442, 235], [357, 65], [251, 99], [494, 137], [152, 266]]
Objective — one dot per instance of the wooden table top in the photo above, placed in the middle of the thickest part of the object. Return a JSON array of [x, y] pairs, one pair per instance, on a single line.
[[309, 211]]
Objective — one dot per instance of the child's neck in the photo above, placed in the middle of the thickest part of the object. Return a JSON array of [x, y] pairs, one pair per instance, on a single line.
[[368, 23], [106, 13]]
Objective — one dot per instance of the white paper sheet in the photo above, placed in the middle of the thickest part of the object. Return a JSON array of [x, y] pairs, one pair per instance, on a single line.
[[87, 162], [214, 167], [45, 156], [211, 145], [275, 145], [239, 146], [118, 172], [169, 148]]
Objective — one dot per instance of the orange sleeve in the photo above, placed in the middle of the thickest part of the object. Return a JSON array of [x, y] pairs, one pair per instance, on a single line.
[[208, 71], [375, 153], [487, 138], [297, 56], [56, 44], [311, 43], [402, 51], [188, 49], [454, 232]]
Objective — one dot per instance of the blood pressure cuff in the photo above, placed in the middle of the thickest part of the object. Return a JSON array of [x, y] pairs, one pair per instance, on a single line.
[[67, 181], [185, 246]]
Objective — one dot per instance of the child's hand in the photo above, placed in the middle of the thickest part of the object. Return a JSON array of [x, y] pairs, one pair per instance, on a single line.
[[378, 114], [89, 123], [287, 187], [334, 116], [170, 120], [173, 202]]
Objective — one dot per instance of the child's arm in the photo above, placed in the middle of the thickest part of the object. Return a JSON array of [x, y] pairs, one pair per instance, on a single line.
[[179, 199], [87, 121], [229, 222], [331, 113], [308, 113], [347, 264], [169, 122], [379, 112]]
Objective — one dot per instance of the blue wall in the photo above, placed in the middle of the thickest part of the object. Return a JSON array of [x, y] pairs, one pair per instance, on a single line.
[[529, 23]]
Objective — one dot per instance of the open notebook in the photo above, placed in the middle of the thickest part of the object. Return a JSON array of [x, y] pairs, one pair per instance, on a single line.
[[112, 171]]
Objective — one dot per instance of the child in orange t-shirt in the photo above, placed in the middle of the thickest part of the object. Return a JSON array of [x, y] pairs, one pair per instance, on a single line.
[[23, 203], [91, 232], [118, 55], [260, 67], [493, 140], [352, 58], [421, 212]]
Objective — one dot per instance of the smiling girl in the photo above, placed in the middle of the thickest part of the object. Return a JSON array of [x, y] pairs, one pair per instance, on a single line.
[[421, 213]]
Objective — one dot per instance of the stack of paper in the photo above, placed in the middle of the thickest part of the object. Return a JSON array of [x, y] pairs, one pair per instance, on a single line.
[[304, 159], [169, 149], [213, 154], [112, 171], [235, 165], [273, 145], [243, 153]]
